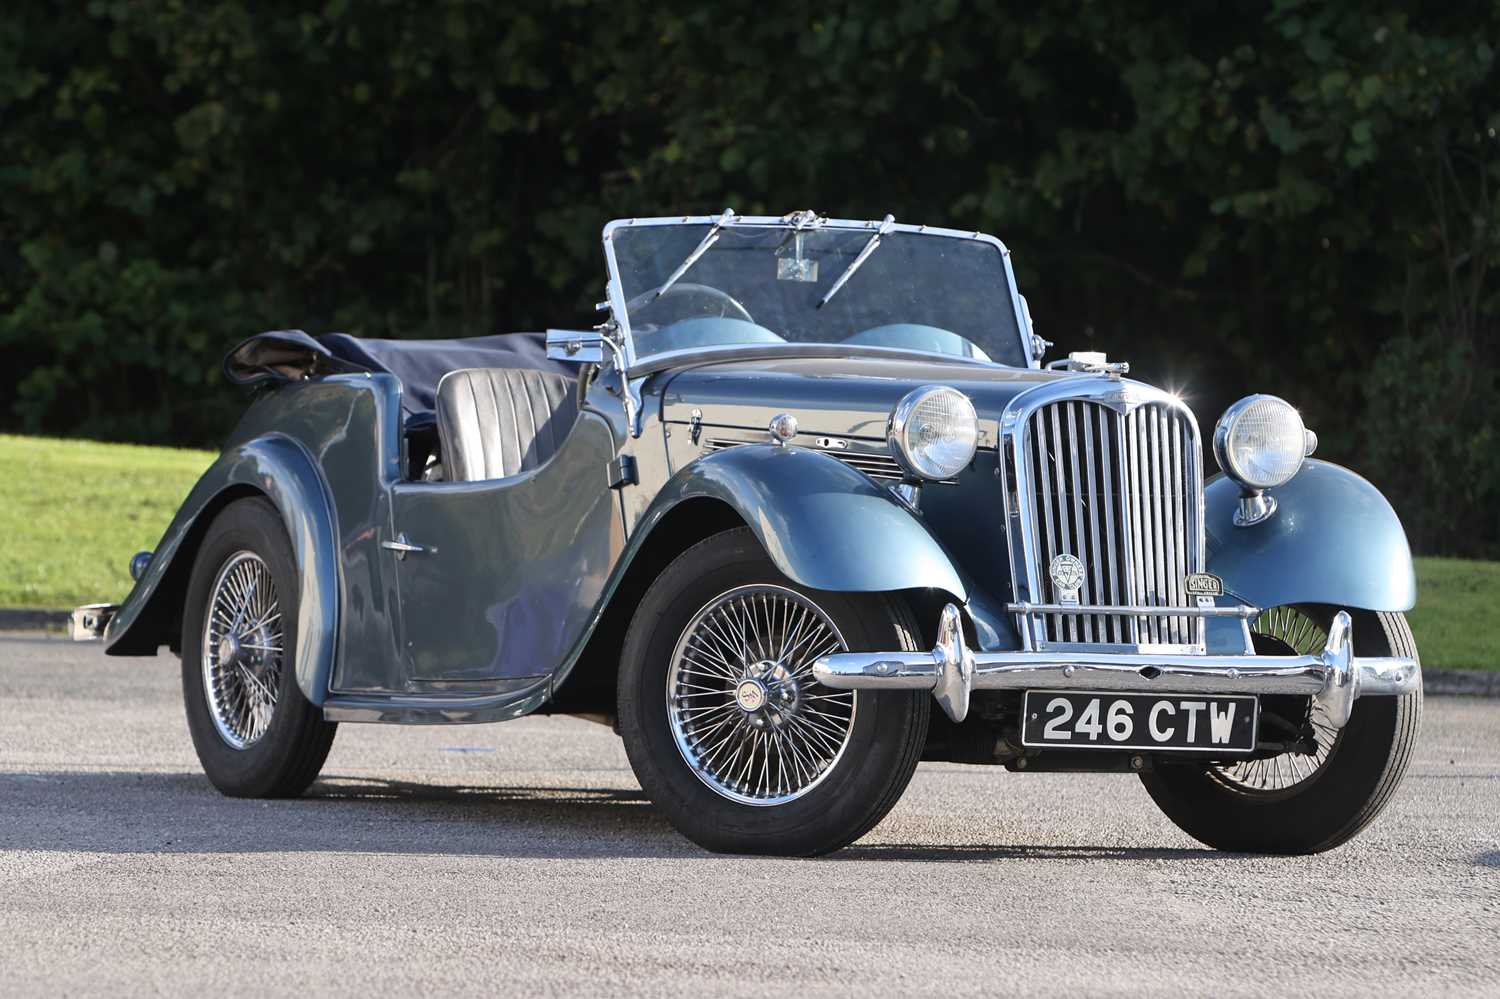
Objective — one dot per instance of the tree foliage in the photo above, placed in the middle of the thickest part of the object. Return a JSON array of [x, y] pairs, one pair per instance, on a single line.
[[1297, 198]]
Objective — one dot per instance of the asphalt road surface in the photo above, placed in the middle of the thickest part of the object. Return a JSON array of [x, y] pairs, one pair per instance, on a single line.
[[521, 859]]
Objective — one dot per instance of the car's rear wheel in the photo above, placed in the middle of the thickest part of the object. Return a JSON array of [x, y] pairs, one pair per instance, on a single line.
[[256, 735], [727, 730], [1322, 794]]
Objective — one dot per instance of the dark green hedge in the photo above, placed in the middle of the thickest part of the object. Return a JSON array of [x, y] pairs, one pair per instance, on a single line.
[[1295, 197]]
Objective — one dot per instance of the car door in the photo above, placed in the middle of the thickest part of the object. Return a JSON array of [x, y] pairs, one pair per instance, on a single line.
[[501, 577]]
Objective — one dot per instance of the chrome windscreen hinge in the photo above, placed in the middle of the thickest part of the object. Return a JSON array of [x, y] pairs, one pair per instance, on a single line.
[[622, 472]]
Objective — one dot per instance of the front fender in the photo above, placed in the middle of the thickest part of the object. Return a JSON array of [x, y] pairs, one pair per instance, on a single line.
[[1333, 540], [825, 525], [278, 468]]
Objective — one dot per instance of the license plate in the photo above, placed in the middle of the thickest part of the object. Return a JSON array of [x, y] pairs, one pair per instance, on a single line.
[[1098, 720]]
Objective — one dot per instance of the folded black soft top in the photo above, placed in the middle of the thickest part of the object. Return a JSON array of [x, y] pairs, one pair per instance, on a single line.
[[419, 364]]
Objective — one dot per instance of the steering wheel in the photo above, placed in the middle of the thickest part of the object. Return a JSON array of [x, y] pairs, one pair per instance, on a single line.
[[727, 305]]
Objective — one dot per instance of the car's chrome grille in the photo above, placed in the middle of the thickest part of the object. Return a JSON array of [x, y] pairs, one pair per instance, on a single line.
[[877, 464], [1120, 491]]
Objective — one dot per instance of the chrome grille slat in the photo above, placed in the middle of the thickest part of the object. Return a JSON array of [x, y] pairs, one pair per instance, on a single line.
[[1065, 538], [1150, 472], [1086, 624], [1096, 566], [1107, 479], [1170, 477], [1138, 575], [1043, 462], [1120, 491]]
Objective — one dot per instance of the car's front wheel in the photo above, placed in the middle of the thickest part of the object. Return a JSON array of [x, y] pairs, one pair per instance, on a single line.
[[725, 727], [1326, 790], [256, 735]]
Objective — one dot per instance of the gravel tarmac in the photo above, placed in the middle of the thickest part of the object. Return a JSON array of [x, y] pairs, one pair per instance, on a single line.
[[521, 859]]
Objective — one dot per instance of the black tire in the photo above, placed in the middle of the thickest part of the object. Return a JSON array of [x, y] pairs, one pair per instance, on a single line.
[[287, 756], [864, 781], [1342, 797]]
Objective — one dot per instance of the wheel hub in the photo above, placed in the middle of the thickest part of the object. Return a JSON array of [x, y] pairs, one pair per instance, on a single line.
[[768, 695], [751, 695], [229, 650]]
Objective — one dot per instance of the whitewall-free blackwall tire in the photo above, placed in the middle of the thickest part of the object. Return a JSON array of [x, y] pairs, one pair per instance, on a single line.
[[726, 729], [256, 735]]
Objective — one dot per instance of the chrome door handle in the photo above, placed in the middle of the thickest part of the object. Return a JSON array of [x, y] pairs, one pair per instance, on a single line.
[[401, 546]]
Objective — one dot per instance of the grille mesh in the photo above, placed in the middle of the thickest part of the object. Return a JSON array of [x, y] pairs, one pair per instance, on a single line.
[[1119, 491], [876, 464]]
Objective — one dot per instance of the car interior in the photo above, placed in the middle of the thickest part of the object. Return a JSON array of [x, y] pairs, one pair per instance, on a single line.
[[496, 422], [474, 409]]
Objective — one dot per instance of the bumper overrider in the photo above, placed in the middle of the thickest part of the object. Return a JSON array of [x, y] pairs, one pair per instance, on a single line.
[[1334, 677]]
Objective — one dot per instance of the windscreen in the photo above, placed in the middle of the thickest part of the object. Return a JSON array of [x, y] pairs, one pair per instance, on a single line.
[[767, 285]]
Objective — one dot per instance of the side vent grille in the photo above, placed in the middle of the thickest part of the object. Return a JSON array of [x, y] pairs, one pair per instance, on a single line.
[[878, 465]]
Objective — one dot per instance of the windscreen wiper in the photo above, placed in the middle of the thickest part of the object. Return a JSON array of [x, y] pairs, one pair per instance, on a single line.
[[886, 226], [692, 258]]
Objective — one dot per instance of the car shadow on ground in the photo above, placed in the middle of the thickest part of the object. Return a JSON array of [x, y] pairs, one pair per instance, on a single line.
[[144, 813], [968, 853], [123, 812]]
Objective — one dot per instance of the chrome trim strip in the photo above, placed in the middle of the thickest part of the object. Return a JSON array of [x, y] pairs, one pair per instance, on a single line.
[[1136, 610], [1334, 677]]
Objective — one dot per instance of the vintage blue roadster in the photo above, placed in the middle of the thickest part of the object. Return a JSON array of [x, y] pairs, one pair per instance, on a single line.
[[805, 509]]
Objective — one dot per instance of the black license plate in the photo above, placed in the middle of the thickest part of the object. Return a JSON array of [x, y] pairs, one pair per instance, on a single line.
[[1098, 720]]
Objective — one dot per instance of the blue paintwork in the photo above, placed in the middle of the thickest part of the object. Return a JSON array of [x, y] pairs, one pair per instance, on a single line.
[[515, 567], [279, 468], [1333, 540], [486, 627], [325, 452], [817, 519]]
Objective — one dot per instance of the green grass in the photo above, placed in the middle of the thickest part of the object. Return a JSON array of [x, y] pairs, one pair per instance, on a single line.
[[1457, 617], [73, 512]]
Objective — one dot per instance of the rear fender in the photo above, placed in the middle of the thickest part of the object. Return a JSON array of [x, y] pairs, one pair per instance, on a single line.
[[1333, 539], [278, 468]]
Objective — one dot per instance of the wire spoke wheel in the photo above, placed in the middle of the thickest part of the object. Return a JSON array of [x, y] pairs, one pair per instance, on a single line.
[[243, 650], [745, 711], [1288, 630]]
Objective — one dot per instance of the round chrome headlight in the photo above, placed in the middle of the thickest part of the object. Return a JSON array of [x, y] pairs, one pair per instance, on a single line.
[[1260, 442], [933, 432]]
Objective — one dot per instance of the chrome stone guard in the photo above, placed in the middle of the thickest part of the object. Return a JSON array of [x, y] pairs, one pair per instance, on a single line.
[[1334, 677]]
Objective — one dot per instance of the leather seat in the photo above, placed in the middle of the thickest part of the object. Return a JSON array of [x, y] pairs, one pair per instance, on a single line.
[[496, 422]]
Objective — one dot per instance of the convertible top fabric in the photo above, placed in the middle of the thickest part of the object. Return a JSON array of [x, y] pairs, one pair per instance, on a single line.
[[420, 364]]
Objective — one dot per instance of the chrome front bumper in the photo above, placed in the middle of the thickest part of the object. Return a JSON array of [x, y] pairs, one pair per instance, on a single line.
[[1334, 677]]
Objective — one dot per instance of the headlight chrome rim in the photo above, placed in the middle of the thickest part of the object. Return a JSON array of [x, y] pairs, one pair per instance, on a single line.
[[905, 419], [1258, 480]]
